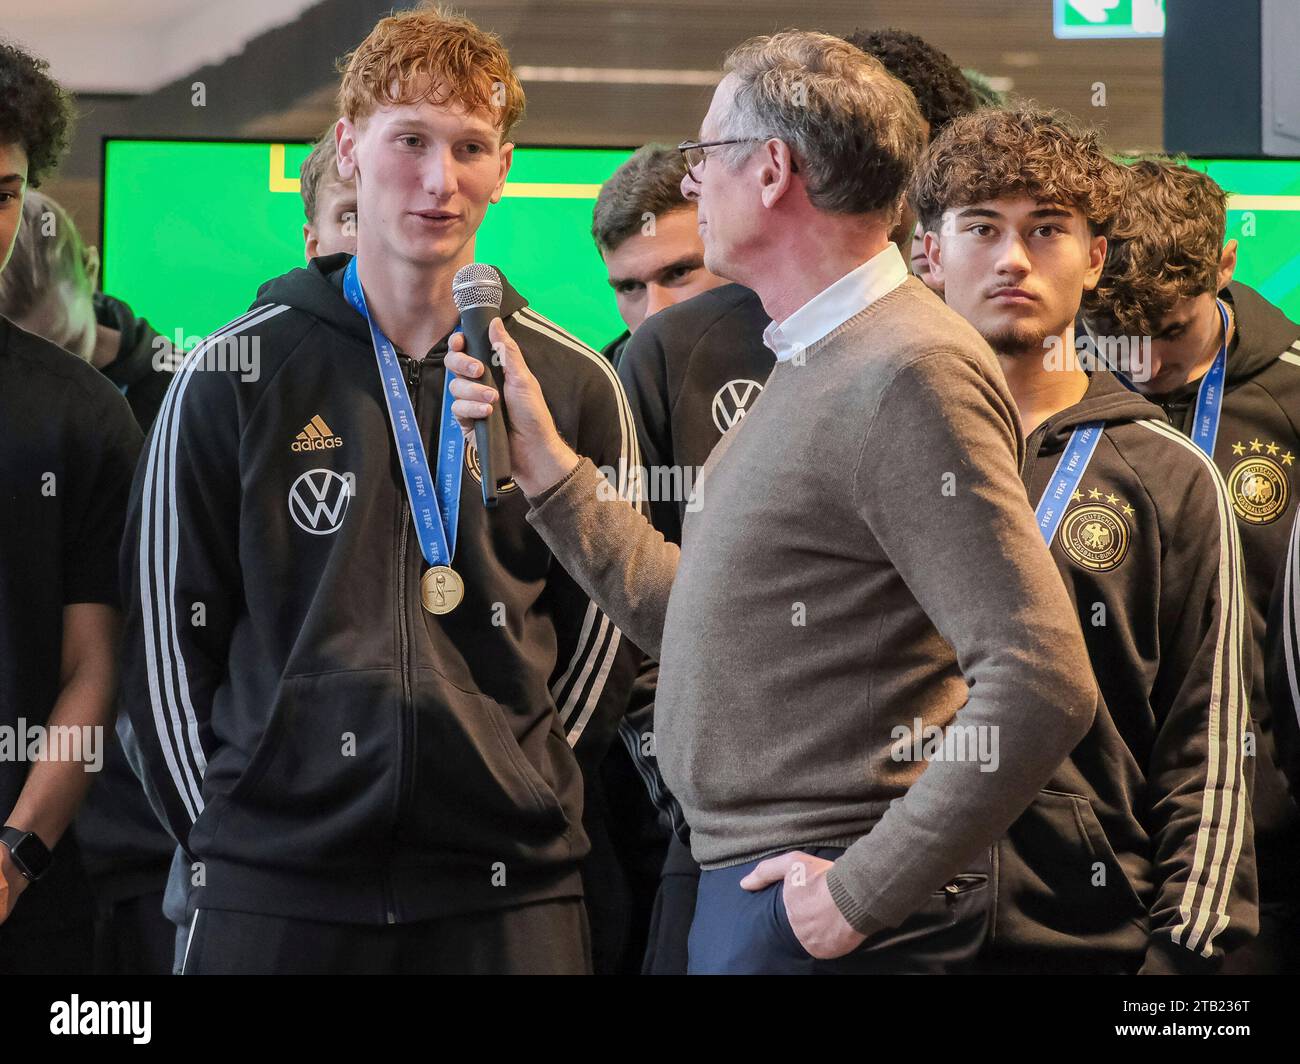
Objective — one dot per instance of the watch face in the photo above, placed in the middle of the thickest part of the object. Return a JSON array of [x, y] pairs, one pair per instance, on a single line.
[[31, 856]]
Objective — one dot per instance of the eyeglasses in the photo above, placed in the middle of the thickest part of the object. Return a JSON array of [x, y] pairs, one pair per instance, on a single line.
[[694, 155]]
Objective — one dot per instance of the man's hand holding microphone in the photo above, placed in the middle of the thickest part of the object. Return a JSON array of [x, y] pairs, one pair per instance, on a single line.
[[539, 456]]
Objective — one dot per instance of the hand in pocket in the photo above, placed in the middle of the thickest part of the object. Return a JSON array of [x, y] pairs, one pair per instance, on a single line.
[[814, 917]]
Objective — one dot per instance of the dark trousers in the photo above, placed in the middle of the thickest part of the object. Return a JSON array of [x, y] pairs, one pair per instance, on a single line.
[[544, 938], [741, 932], [672, 913], [132, 937]]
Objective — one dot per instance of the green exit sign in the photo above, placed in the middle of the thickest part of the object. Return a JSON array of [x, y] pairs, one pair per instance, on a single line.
[[1109, 18]]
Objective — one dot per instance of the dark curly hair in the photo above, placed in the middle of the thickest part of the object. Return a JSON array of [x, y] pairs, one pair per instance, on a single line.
[[993, 153], [34, 111], [941, 90], [1164, 247]]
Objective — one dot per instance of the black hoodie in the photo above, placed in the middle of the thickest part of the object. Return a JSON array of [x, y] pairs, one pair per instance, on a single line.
[[1138, 852], [1258, 453], [324, 747], [1282, 651], [691, 371]]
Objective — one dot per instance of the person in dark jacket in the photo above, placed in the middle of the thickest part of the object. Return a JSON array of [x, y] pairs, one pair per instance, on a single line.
[[330, 208], [1168, 276], [1282, 658], [49, 289], [1137, 856], [691, 372], [65, 465], [368, 740]]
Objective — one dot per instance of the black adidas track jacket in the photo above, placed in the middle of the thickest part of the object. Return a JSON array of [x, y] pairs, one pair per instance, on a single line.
[[1139, 852], [1258, 453], [323, 746]]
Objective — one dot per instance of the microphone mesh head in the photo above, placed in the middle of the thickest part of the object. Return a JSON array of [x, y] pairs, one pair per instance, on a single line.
[[476, 285]]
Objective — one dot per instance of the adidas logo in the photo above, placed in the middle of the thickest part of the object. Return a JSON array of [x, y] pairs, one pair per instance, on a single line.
[[317, 436]]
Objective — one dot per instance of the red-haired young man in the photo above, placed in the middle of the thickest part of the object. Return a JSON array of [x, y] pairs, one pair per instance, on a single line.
[[366, 727]]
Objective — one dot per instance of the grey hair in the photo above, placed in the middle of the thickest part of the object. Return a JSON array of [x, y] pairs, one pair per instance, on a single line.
[[855, 131]]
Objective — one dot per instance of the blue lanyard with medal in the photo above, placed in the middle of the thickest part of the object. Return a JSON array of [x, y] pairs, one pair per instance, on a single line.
[[1209, 396], [435, 504]]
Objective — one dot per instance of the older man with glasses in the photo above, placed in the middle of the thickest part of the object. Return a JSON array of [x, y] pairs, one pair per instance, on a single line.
[[869, 665]]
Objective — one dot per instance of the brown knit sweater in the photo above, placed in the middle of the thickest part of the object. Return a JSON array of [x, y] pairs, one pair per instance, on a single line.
[[863, 557]]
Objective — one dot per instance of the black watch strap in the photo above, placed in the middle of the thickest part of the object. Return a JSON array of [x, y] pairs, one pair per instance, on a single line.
[[31, 856]]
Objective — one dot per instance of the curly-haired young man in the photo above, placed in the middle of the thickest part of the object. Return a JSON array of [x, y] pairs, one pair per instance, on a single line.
[[1136, 855], [1225, 368], [68, 450]]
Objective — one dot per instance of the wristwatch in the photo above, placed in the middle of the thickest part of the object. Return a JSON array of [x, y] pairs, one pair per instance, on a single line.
[[31, 856]]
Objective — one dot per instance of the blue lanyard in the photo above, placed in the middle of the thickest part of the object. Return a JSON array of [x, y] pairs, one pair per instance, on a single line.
[[1209, 396], [435, 505], [1069, 471]]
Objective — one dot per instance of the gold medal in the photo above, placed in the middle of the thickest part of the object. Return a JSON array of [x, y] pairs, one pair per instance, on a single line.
[[441, 589]]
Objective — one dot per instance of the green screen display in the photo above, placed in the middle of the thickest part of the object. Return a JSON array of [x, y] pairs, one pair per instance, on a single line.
[[1264, 219], [191, 229]]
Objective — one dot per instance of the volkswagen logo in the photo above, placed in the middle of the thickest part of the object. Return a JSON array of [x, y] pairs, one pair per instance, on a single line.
[[732, 400], [318, 500]]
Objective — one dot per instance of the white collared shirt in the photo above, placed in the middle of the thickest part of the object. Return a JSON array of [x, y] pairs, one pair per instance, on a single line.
[[833, 306]]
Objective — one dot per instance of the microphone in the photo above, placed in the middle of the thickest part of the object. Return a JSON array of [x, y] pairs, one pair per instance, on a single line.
[[477, 291]]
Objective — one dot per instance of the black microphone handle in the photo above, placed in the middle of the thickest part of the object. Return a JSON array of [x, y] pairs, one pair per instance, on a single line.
[[489, 433]]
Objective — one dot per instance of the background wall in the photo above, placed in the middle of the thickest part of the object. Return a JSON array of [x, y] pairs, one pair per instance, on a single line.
[[601, 72]]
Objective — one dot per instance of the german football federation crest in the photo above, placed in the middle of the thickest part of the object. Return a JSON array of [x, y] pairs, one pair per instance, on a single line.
[[471, 463], [1258, 483], [1096, 534]]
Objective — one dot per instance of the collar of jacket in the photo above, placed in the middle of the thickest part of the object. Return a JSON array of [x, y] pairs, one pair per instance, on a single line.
[[317, 289], [1106, 400]]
